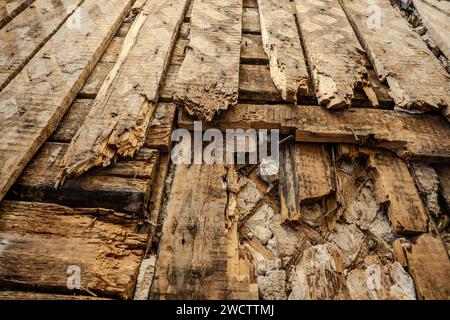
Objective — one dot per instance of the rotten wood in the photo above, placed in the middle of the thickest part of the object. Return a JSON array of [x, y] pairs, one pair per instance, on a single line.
[[9, 9], [289, 185]]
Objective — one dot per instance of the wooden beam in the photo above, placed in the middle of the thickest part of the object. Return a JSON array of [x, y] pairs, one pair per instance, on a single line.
[[95, 80], [417, 80], [282, 45], [119, 119], [40, 243], [208, 80], [419, 137], [28, 32], [335, 57], [35, 101], [289, 187], [9, 9]]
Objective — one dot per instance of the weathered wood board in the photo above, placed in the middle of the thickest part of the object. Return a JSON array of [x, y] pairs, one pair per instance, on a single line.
[[252, 50], [208, 79], [282, 45], [250, 21], [289, 186], [33, 103], [28, 32], [335, 57], [42, 244], [120, 116], [443, 172], [416, 79], [125, 187], [159, 134], [10, 9], [95, 80], [395, 189], [28, 295], [420, 137]]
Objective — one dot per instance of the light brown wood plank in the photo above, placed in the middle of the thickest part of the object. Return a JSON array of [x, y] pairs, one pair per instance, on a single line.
[[282, 45], [28, 32], [37, 98], [10, 9], [416, 79], [289, 187], [160, 130], [208, 80], [250, 21], [252, 51], [117, 123], [40, 241], [28, 295], [250, 4], [335, 57], [95, 80]]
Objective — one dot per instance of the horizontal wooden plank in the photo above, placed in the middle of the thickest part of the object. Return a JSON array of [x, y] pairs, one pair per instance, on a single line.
[[44, 245], [28, 295], [424, 137]]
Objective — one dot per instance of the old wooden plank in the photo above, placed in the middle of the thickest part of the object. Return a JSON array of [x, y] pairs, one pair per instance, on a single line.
[[208, 80], [95, 80], [255, 83], [160, 131], [252, 51], [121, 114], [396, 191], [123, 187], [437, 24], [250, 4], [335, 57], [42, 245], [429, 266], [28, 295], [111, 54], [35, 101], [416, 79], [250, 21], [314, 171], [9, 9], [420, 137], [282, 45], [28, 32], [289, 186], [443, 172]]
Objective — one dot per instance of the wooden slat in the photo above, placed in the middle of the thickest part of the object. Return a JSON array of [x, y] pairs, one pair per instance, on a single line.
[[437, 23], [250, 4], [252, 51], [124, 187], [289, 185], [398, 55], [419, 137], [160, 130], [36, 99], [335, 57], [443, 172], [282, 45], [208, 80], [10, 9], [95, 80], [396, 191], [27, 295], [429, 266], [250, 21], [28, 32], [121, 114], [40, 241]]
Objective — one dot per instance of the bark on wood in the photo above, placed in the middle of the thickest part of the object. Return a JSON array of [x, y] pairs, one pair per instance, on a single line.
[[9, 9], [289, 184], [124, 187], [283, 48], [40, 241], [35, 101], [335, 57], [28, 32], [208, 80], [416, 79], [420, 137], [119, 119], [395, 189]]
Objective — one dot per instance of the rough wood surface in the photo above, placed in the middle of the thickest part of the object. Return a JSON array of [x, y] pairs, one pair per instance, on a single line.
[[40, 241], [443, 172], [33, 103], [72, 121], [283, 48], [252, 50], [28, 32], [289, 186], [416, 79], [437, 23], [27, 295], [335, 57], [429, 265], [420, 137], [208, 80], [10, 9], [118, 121], [123, 187], [250, 21], [395, 189], [159, 134], [95, 80]]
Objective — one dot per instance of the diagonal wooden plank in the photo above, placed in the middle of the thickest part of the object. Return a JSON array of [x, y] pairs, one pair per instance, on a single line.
[[29, 31], [119, 119], [208, 79], [335, 57], [282, 45], [416, 79], [10, 9], [35, 101]]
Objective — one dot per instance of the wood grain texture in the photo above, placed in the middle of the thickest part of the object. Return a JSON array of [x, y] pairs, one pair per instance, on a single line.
[[208, 80], [10, 9], [396, 191], [40, 241], [33, 103], [416, 79], [118, 121], [443, 172], [159, 134], [28, 32], [28, 295], [282, 45], [289, 185], [419, 137], [335, 57]]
